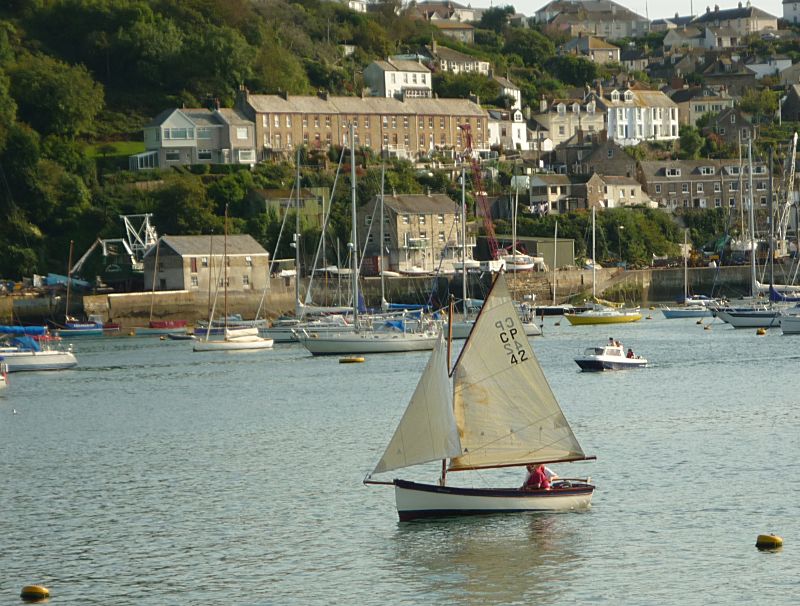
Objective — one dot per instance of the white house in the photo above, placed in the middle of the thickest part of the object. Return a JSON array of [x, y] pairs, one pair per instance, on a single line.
[[768, 66], [634, 115], [399, 79], [509, 129], [509, 89], [791, 10]]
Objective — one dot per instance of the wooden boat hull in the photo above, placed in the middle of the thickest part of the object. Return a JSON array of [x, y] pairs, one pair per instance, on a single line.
[[588, 318], [416, 501], [366, 343]]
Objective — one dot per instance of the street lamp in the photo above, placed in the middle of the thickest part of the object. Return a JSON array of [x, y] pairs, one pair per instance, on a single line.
[[619, 238]]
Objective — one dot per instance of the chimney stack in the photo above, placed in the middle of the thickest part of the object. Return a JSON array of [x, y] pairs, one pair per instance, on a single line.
[[542, 105]]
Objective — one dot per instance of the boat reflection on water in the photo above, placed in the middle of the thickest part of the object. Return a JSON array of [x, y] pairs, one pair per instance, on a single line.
[[480, 556]]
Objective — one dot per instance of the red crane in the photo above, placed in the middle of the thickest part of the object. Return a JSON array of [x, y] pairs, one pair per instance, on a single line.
[[480, 193]]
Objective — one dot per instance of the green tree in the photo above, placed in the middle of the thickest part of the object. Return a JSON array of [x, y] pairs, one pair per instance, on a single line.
[[690, 141], [53, 97], [182, 207], [531, 46], [496, 18], [573, 70]]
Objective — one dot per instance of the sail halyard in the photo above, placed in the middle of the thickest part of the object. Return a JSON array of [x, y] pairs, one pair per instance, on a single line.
[[427, 431], [504, 408]]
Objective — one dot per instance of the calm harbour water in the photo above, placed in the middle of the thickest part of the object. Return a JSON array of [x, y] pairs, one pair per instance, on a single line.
[[155, 475]]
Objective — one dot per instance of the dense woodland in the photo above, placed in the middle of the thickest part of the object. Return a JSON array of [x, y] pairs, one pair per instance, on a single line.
[[79, 79]]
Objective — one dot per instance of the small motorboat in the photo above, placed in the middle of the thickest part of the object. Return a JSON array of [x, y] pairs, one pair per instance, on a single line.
[[609, 357]]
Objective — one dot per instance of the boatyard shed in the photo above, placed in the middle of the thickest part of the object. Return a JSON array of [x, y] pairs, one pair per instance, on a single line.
[[195, 263]]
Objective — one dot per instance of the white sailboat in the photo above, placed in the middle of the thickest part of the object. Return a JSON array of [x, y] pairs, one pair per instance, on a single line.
[[233, 339], [3, 375], [601, 313], [691, 308], [32, 348], [362, 340], [499, 411]]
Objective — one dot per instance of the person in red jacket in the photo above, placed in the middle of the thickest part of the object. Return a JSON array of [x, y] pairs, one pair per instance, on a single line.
[[537, 478]]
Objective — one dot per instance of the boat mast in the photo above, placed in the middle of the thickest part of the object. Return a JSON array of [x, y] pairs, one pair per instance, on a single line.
[[297, 304], [443, 476], [153, 290], [353, 228], [384, 304], [555, 262], [753, 287], [225, 271], [771, 226], [69, 280], [685, 265], [594, 259], [463, 242], [514, 229]]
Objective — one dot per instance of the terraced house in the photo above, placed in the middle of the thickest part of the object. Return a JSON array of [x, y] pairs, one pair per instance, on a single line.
[[405, 128], [703, 183]]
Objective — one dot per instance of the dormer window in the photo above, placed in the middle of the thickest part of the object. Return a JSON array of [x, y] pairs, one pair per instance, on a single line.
[[673, 172], [706, 170], [732, 170], [576, 108], [628, 95], [590, 107], [614, 95], [733, 118], [562, 109]]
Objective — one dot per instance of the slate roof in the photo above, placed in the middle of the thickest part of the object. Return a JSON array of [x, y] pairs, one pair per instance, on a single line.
[[238, 244], [402, 65], [421, 203], [367, 105], [742, 12]]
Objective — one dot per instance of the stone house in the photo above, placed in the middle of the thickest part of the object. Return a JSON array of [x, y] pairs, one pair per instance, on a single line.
[[406, 128], [463, 32], [420, 233], [190, 262], [695, 101], [182, 137], [444, 59], [613, 191], [742, 20], [702, 183], [555, 194], [603, 18], [732, 126], [592, 48], [508, 129], [564, 118]]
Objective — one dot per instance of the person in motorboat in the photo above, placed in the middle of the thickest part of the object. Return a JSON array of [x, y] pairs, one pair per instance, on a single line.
[[630, 353], [537, 477]]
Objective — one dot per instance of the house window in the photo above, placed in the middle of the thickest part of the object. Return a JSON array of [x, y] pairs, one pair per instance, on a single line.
[[172, 155], [731, 202], [722, 131], [366, 121], [405, 219], [203, 132], [277, 141], [405, 121], [194, 281], [394, 121], [327, 121], [440, 218], [288, 121], [248, 261], [277, 121], [684, 188], [699, 188], [367, 220], [247, 156], [193, 264], [422, 219], [385, 120], [423, 235], [658, 188], [203, 261], [717, 188], [316, 121], [763, 200], [245, 281], [204, 154], [610, 153], [717, 203], [441, 236]]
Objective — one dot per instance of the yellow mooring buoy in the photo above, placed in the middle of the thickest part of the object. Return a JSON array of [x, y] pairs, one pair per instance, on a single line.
[[351, 360], [761, 331], [769, 541], [34, 593]]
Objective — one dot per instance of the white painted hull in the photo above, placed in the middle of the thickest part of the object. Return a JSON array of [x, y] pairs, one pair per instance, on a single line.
[[750, 319], [416, 500], [461, 329], [366, 342], [18, 361], [286, 334], [790, 325], [233, 345]]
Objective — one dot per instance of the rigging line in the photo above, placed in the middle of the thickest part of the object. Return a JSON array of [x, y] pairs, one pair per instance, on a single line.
[[325, 220], [280, 232]]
